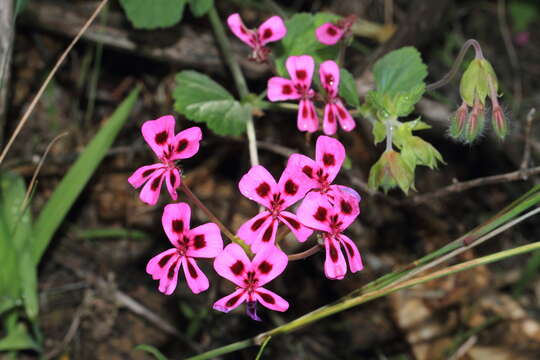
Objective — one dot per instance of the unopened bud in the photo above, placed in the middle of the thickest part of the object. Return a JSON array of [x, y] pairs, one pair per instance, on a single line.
[[498, 121], [475, 123], [458, 121]]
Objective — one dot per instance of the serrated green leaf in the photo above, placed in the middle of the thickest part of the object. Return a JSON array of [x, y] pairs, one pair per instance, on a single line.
[[402, 103], [416, 152], [145, 14], [77, 177], [200, 7], [399, 71], [301, 40], [379, 131], [201, 99], [18, 339], [347, 88], [151, 350]]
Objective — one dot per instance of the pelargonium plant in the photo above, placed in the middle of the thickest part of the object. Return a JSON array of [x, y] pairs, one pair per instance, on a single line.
[[305, 198]]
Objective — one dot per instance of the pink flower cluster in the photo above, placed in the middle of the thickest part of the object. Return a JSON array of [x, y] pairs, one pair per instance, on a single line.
[[301, 69], [325, 208]]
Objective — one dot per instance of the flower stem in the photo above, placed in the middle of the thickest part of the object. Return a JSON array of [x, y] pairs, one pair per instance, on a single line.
[[305, 254], [213, 217], [455, 67], [238, 77]]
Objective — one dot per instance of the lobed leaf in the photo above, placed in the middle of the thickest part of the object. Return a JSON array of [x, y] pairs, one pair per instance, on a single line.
[[201, 99], [399, 71], [145, 14]]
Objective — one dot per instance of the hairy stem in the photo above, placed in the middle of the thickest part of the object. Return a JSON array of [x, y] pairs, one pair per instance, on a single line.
[[305, 254], [455, 67], [238, 77]]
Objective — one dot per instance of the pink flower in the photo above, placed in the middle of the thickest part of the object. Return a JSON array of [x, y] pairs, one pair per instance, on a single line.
[[330, 34], [249, 277], [259, 185], [334, 110], [300, 69], [319, 173], [316, 212], [271, 30], [202, 242], [159, 134]]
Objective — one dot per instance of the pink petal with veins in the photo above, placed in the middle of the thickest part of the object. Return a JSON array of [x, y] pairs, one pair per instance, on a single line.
[[268, 264], [330, 119], [344, 117], [329, 75], [232, 264], [307, 116], [301, 232], [231, 301], [315, 212], [205, 241], [142, 174], [186, 143], [300, 69], [172, 180], [335, 266], [150, 191], [353, 255], [258, 185], [281, 89], [240, 30], [250, 230], [158, 133], [271, 300], [330, 154], [196, 280], [267, 235], [271, 30], [329, 34], [175, 222]]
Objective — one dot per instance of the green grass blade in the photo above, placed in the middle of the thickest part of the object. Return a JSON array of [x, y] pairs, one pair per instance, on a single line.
[[78, 175]]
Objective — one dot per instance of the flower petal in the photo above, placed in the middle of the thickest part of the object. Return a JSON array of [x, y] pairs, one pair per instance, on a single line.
[[346, 206], [345, 119], [271, 300], [315, 212], [186, 143], [268, 264], [205, 241], [301, 232], [232, 264], [281, 89], [305, 168], [249, 231], [159, 264], [329, 34], [172, 180], [307, 119], [335, 266], [175, 221], [258, 185], [330, 119], [300, 69], [329, 75], [353, 255], [151, 190], [231, 301], [240, 30], [330, 154], [266, 236], [158, 133], [291, 186], [142, 174], [272, 29], [196, 280]]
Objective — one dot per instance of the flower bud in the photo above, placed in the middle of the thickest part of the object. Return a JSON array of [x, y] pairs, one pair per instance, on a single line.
[[498, 121], [475, 122], [458, 120]]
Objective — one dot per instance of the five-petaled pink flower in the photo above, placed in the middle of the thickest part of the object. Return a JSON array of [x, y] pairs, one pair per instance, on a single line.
[[159, 134], [319, 173], [259, 185], [334, 110], [249, 277], [330, 34], [316, 212], [201, 242], [271, 30], [300, 69]]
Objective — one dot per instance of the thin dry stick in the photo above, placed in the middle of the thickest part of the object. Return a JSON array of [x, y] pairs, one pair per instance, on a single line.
[[464, 348], [38, 169], [527, 147], [466, 185], [70, 334], [41, 90], [512, 55]]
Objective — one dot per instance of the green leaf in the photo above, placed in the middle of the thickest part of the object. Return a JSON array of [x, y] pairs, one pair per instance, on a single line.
[[379, 131], [399, 71], [391, 171], [200, 7], [419, 152], [77, 177], [347, 88], [201, 99], [301, 40], [145, 14], [523, 14], [18, 339], [403, 102], [151, 350]]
